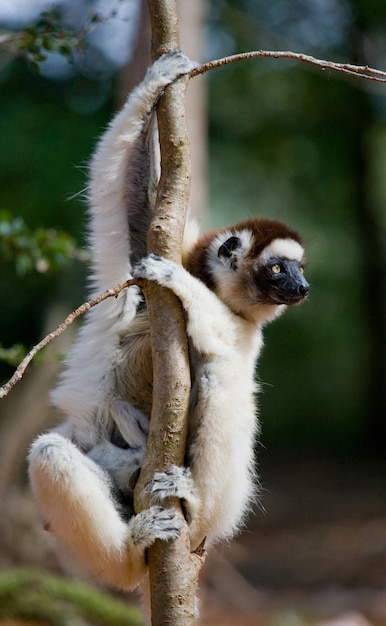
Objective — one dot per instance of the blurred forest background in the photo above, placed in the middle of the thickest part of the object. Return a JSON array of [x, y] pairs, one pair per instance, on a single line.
[[276, 138]]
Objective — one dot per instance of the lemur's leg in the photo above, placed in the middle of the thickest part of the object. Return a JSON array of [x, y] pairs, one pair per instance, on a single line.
[[132, 423], [78, 505]]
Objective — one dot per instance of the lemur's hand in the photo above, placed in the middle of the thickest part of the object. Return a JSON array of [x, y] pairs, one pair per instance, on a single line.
[[155, 268]]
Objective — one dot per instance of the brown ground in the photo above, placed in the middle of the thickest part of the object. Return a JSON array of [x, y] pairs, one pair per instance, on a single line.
[[315, 555]]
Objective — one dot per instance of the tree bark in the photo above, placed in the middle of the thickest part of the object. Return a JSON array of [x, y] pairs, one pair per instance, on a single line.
[[192, 19], [173, 570]]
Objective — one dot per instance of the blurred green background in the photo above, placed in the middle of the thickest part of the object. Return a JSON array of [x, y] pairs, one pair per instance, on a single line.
[[286, 141]]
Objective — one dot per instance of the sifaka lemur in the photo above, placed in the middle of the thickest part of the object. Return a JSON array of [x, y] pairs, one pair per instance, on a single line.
[[233, 281]]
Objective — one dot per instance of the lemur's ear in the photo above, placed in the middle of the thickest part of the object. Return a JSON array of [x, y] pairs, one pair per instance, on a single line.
[[226, 251]]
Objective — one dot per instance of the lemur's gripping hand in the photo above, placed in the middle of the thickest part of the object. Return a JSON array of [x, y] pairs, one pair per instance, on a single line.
[[174, 482], [170, 66], [154, 523], [157, 269]]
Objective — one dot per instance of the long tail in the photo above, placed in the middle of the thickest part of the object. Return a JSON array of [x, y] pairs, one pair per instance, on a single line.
[[121, 193], [122, 175]]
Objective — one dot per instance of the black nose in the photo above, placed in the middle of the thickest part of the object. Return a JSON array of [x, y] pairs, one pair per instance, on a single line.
[[303, 290]]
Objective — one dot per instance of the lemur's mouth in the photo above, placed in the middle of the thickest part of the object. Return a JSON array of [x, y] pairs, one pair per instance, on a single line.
[[279, 296], [299, 296]]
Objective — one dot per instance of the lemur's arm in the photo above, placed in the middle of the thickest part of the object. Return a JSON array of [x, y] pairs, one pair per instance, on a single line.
[[205, 312], [216, 484]]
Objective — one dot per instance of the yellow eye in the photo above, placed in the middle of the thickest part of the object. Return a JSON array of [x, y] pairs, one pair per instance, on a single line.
[[301, 269], [276, 269]]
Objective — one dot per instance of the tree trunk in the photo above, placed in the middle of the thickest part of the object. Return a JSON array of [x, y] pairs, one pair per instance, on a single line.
[[173, 570]]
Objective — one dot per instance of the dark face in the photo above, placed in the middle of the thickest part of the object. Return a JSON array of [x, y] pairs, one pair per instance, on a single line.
[[281, 281]]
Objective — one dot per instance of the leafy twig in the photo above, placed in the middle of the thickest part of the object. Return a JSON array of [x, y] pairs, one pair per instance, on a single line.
[[41, 249], [48, 34]]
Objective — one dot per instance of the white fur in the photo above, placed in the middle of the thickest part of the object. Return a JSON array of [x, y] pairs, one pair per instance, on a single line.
[[224, 418], [76, 470], [70, 482], [75, 499], [245, 237], [282, 248]]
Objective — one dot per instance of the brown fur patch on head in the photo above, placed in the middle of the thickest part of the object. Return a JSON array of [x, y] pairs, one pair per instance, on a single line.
[[264, 231], [196, 262]]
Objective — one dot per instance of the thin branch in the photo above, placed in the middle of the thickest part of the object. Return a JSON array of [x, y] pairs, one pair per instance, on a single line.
[[113, 292], [359, 71]]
